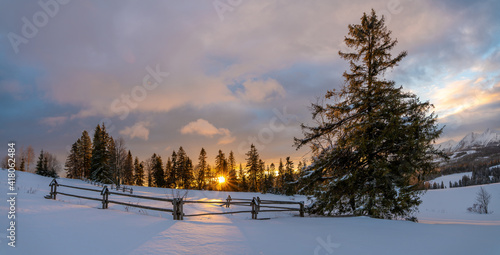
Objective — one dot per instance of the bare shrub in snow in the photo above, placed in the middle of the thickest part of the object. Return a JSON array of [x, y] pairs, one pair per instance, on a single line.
[[482, 201], [179, 193]]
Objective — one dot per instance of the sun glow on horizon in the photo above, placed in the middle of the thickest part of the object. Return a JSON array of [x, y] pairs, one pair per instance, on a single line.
[[221, 179]]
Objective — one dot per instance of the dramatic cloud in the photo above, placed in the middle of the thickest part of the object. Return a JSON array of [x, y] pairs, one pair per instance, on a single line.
[[121, 62], [139, 130], [205, 128]]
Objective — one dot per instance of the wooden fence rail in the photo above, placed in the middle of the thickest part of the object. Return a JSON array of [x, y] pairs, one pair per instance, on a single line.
[[178, 203], [112, 186]]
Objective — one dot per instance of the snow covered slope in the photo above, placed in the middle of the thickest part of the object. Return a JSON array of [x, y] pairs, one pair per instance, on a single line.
[[446, 179], [75, 226]]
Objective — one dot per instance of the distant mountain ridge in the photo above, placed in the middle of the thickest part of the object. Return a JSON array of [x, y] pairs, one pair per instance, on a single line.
[[490, 137]]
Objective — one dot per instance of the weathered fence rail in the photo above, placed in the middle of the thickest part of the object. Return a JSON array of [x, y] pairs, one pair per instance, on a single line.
[[178, 203], [112, 186]]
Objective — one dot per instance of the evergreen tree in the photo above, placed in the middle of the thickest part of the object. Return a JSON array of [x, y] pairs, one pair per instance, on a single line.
[[289, 182], [211, 177], [85, 154], [170, 183], [280, 182], [202, 170], [128, 170], [41, 165], [271, 176], [373, 146], [267, 183], [78, 162], [261, 175], [100, 168], [220, 164], [242, 185], [72, 162], [232, 178], [115, 160], [158, 173], [148, 165], [253, 166], [139, 172], [188, 176], [172, 173], [184, 169]]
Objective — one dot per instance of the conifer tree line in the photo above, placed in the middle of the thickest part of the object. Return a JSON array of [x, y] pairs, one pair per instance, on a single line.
[[479, 176], [105, 159]]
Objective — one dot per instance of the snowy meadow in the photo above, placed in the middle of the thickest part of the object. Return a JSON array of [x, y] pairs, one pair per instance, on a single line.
[[76, 226]]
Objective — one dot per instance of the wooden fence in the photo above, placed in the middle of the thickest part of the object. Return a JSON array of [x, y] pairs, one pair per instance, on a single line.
[[112, 186], [177, 210]]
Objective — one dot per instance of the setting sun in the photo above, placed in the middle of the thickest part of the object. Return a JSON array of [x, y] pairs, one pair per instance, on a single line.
[[221, 179]]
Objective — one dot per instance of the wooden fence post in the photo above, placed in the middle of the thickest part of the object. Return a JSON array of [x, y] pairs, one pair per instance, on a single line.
[[178, 210], [228, 201], [174, 210], [53, 189], [181, 209], [302, 209], [255, 207], [105, 195]]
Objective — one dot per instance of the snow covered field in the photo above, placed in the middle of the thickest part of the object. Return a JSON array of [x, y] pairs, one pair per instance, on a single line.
[[75, 226], [446, 179]]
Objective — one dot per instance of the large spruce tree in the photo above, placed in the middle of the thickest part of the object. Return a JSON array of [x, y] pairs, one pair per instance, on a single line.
[[128, 169], [184, 170], [85, 153], [373, 145], [254, 169], [232, 178], [157, 171], [101, 153], [172, 175], [202, 170], [72, 162], [139, 172]]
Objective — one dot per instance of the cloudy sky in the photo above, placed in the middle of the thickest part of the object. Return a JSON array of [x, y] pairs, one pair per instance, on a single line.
[[227, 73]]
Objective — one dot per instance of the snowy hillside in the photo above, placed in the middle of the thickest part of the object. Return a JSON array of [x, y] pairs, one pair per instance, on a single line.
[[450, 178], [75, 226]]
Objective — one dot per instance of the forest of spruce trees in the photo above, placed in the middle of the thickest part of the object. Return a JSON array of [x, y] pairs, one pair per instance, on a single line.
[[105, 159]]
